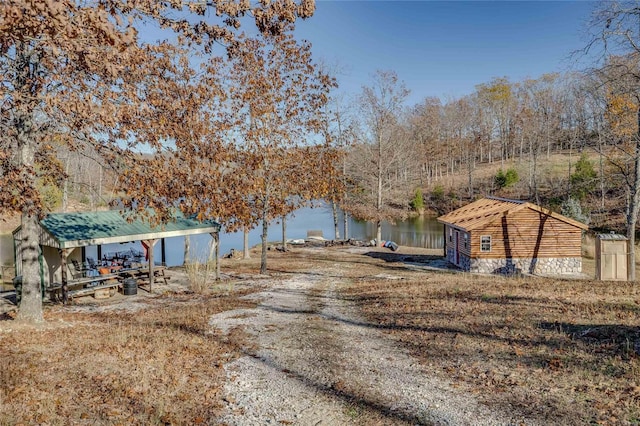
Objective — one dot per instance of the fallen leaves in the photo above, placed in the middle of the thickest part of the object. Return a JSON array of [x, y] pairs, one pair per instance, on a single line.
[[119, 368]]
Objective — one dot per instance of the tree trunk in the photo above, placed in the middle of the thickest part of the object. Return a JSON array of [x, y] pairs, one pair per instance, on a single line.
[[65, 185], [152, 261], [263, 255], [533, 168], [631, 235], [632, 216], [336, 229], [214, 256], [245, 253], [284, 233], [379, 195], [535, 179], [92, 194], [217, 240], [345, 217], [31, 303], [634, 209], [266, 201], [470, 175], [100, 185], [187, 249], [601, 172], [490, 150]]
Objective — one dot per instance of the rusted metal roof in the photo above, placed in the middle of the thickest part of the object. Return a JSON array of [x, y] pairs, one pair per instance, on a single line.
[[68, 230], [486, 210]]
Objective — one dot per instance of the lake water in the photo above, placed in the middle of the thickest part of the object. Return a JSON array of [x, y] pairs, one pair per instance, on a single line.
[[417, 232]]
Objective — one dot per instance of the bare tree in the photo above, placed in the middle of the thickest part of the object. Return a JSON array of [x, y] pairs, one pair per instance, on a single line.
[[337, 140], [540, 120], [616, 30], [274, 103], [426, 121], [497, 99], [379, 159]]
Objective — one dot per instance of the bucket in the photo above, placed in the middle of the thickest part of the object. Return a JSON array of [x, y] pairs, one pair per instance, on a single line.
[[130, 287]]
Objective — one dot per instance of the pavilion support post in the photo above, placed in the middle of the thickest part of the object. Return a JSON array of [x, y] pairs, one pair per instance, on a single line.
[[187, 249], [216, 238], [213, 249], [150, 244], [64, 254], [245, 245]]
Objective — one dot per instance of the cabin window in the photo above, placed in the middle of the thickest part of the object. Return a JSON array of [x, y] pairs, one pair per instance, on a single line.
[[450, 235], [466, 241], [485, 243]]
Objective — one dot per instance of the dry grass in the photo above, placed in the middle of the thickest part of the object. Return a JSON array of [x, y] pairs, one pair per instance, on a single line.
[[200, 275], [553, 166], [563, 351], [158, 366], [560, 351]]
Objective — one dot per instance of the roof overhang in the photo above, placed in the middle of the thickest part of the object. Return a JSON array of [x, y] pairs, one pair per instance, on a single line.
[[134, 237], [72, 230], [486, 210]]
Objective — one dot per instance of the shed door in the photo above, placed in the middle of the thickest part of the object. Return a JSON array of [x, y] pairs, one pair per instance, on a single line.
[[614, 260]]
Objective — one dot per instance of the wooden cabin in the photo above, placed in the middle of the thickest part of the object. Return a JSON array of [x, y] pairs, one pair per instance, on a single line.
[[496, 235]]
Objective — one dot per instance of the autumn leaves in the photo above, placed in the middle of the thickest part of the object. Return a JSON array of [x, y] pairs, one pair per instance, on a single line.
[[77, 76]]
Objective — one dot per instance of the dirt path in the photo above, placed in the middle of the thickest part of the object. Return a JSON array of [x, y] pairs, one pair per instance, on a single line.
[[317, 363]]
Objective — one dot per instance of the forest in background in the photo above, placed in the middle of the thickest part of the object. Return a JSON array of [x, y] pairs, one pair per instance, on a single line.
[[550, 141]]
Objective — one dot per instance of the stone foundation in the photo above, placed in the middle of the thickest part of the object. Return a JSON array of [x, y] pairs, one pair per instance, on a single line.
[[540, 266]]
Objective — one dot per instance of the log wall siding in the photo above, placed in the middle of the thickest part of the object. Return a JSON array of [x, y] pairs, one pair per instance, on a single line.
[[528, 234]]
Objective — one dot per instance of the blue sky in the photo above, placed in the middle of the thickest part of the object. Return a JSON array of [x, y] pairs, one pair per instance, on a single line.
[[446, 48]]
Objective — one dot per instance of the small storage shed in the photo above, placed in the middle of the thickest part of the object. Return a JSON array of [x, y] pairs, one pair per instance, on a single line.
[[497, 235], [612, 251], [63, 235]]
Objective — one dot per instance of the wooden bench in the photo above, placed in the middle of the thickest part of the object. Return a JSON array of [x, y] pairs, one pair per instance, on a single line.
[[93, 289], [55, 290]]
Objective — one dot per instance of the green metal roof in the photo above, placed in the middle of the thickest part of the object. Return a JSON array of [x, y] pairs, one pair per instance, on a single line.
[[104, 227]]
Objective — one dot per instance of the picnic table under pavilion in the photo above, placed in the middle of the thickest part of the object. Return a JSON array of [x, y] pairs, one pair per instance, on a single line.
[[64, 236]]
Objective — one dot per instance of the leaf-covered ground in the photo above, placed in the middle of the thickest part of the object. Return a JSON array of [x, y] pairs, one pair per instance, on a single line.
[[156, 366], [558, 351]]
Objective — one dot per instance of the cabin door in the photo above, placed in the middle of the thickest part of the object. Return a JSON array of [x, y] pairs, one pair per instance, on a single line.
[[456, 250]]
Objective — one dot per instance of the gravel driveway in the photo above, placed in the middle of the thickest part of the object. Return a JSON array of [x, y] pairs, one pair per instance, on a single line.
[[317, 363]]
